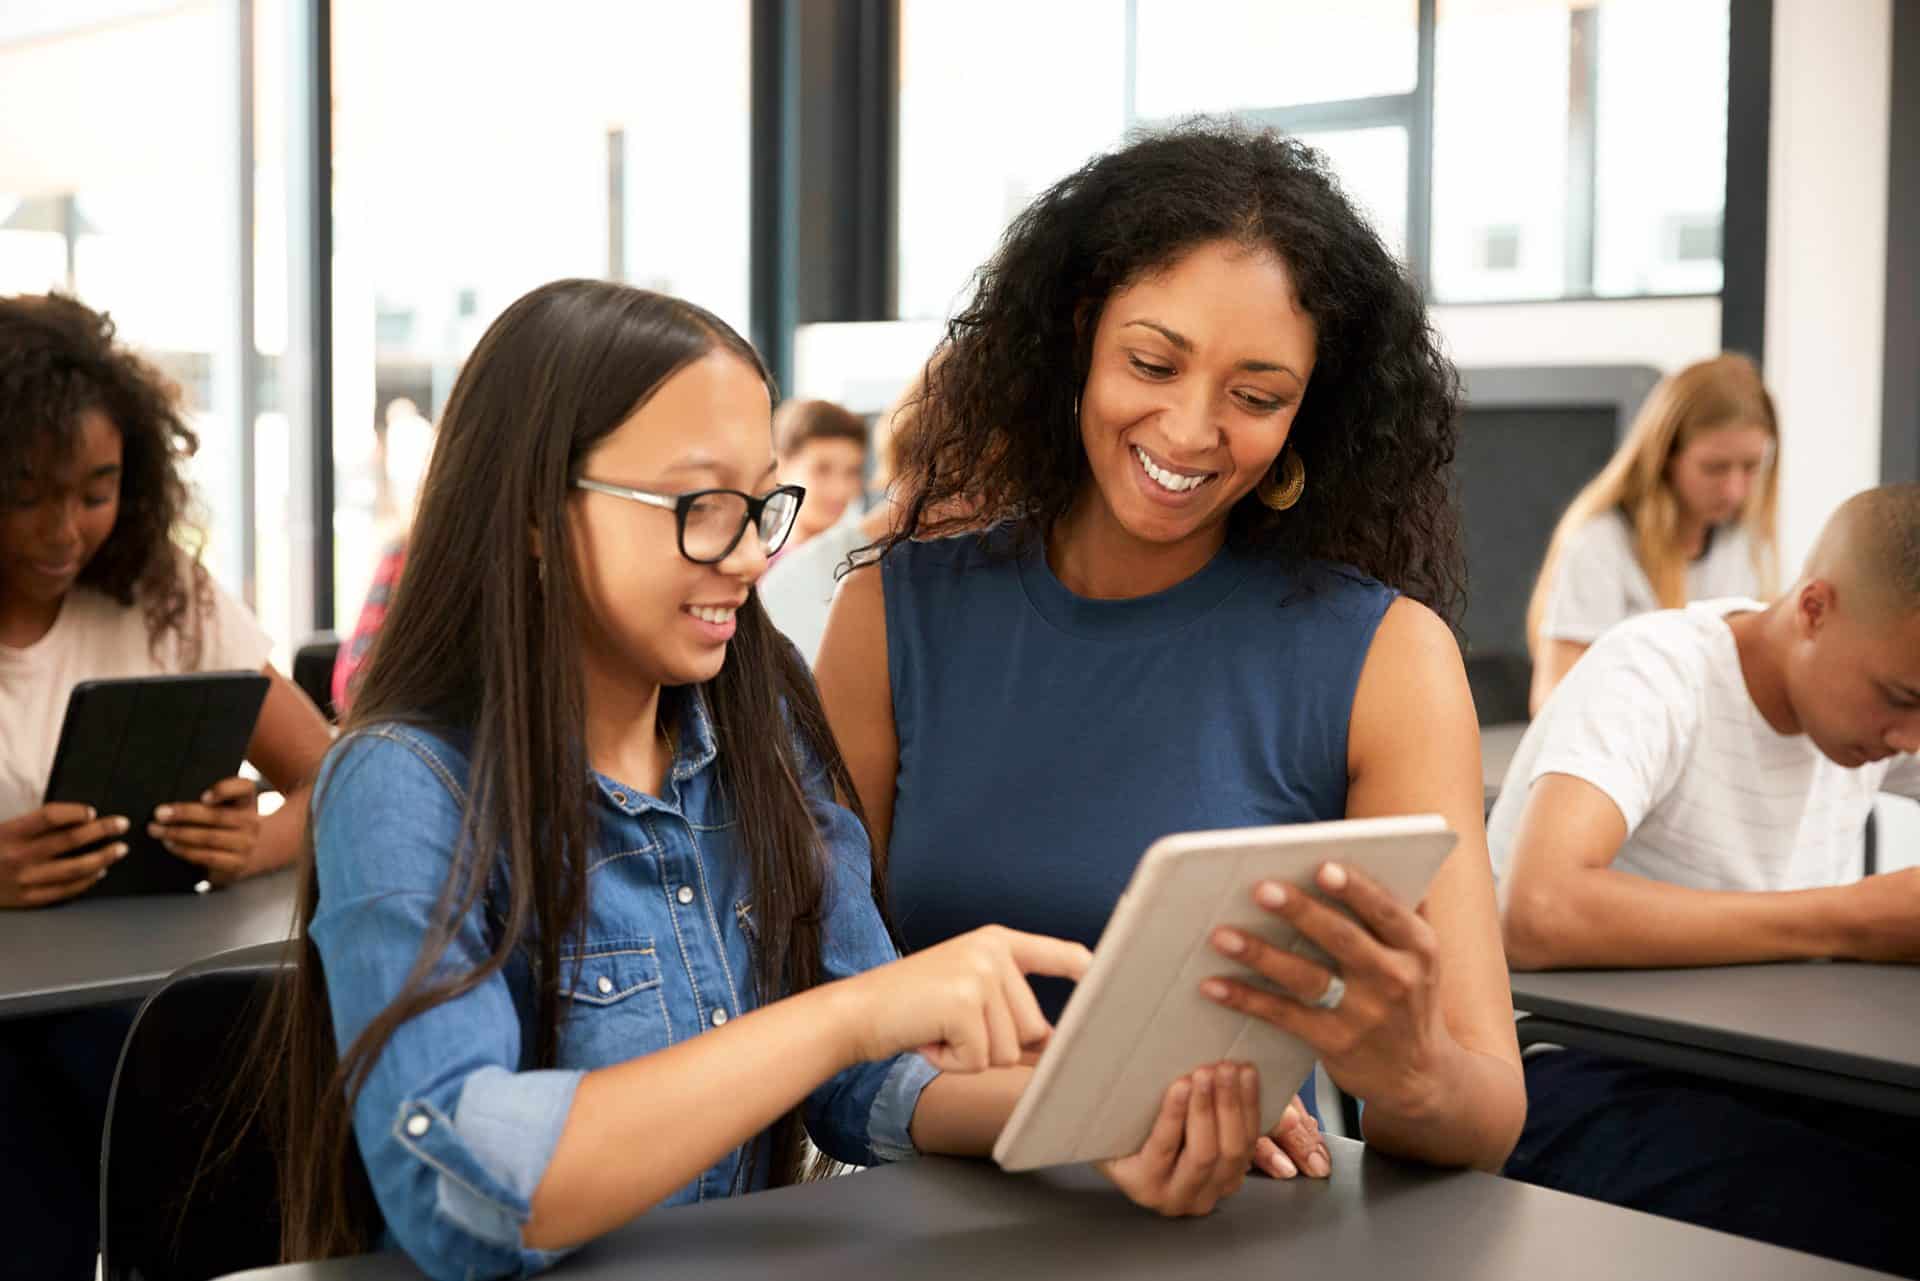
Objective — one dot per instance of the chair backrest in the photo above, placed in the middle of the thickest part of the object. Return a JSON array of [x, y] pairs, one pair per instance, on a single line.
[[313, 671], [1499, 682], [161, 1217]]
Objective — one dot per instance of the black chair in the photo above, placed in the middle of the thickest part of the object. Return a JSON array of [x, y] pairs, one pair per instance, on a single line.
[[162, 1217], [313, 671], [1500, 682]]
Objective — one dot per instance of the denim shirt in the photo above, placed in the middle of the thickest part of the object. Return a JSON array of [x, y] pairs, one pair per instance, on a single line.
[[454, 1124]]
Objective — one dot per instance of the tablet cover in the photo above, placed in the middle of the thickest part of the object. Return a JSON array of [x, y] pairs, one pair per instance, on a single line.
[[1138, 1022], [127, 746]]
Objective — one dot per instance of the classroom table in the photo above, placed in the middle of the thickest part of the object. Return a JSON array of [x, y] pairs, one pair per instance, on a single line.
[[1498, 743], [940, 1218], [97, 951], [1830, 1029]]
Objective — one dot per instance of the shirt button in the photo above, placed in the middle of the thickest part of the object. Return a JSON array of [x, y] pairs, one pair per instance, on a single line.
[[619, 798], [686, 894], [719, 1018], [418, 1124], [606, 985]]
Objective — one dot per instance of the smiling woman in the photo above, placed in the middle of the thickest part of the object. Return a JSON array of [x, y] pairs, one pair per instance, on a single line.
[[1178, 555]]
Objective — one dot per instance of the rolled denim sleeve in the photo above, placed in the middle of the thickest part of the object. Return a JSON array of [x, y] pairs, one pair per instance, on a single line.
[[863, 1115], [455, 1138]]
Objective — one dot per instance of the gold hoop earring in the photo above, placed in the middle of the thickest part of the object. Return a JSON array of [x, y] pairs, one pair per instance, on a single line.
[[1283, 490]]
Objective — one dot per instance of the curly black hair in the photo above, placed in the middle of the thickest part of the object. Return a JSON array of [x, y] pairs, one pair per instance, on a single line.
[[996, 436], [58, 359]]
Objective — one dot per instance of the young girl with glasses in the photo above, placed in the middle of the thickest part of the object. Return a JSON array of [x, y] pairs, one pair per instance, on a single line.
[[590, 926]]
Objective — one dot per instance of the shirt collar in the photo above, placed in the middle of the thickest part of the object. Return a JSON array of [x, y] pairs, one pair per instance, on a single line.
[[695, 748]]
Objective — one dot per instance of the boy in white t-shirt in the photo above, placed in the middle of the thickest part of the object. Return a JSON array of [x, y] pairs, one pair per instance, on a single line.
[[1695, 793]]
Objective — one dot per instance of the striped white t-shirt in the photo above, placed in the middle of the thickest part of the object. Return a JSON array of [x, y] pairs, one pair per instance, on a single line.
[[1657, 716]]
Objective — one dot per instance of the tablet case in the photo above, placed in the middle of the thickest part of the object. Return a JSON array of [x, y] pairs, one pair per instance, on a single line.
[[127, 746], [1137, 1022]]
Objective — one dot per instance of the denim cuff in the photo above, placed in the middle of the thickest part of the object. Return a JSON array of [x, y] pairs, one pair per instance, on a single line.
[[889, 1124], [492, 1153]]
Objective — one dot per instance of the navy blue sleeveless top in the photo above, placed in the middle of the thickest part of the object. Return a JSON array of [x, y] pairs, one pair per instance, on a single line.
[[1047, 739]]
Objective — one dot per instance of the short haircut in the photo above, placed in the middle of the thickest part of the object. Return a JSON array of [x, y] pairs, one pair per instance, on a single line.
[[798, 423], [1887, 541]]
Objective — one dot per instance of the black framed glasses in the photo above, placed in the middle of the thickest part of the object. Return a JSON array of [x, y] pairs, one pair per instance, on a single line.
[[713, 521]]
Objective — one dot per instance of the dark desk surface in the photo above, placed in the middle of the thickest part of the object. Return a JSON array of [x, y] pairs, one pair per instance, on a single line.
[[960, 1219], [1858, 1022], [95, 951]]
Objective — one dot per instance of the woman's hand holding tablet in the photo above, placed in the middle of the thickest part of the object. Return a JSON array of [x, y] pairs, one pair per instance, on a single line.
[[1147, 1007], [1373, 1018], [33, 872], [220, 833]]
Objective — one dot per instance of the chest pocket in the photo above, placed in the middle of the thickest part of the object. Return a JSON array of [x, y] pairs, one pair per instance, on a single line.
[[616, 1008]]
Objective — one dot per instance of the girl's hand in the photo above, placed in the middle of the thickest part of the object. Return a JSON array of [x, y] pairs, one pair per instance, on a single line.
[[220, 833], [1379, 1031], [1197, 1153], [965, 1004], [1294, 1147], [33, 872]]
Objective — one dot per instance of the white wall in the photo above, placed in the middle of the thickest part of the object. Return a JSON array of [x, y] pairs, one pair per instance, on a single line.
[[1663, 332], [1827, 251], [1826, 277]]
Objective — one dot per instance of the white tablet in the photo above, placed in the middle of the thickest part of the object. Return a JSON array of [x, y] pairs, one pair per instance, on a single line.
[[1138, 1022]]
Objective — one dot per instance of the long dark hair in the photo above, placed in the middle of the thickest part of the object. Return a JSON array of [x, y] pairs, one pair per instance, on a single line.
[[476, 644], [996, 438], [59, 359]]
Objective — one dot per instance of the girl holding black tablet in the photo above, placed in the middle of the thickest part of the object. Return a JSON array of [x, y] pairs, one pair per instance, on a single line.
[[1202, 435], [93, 585], [586, 929]]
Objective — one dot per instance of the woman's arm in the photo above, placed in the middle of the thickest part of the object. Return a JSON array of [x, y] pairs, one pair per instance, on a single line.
[[1430, 763], [1551, 663], [1424, 1034], [856, 689]]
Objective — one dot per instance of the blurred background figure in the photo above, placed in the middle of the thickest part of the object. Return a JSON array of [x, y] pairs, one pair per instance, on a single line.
[[405, 445], [823, 447], [1686, 510], [800, 584]]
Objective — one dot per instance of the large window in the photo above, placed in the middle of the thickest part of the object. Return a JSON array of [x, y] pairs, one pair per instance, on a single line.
[[1579, 148], [121, 182], [989, 119], [481, 151], [1555, 148]]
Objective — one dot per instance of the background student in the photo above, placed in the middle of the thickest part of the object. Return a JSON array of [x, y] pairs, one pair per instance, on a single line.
[[587, 931], [94, 585], [822, 448], [799, 586], [1176, 544], [1684, 511], [1695, 794]]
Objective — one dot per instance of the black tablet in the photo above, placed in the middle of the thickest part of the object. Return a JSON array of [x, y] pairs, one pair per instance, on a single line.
[[130, 745]]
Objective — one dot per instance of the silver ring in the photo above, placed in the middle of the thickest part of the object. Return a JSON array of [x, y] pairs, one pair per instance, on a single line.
[[1336, 992]]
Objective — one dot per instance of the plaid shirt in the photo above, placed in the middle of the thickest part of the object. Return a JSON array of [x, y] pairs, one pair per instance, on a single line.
[[386, 576]]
